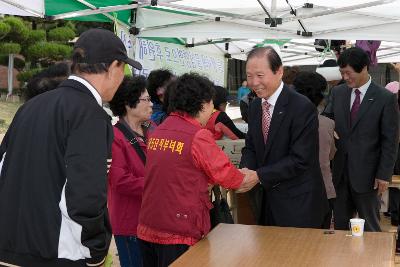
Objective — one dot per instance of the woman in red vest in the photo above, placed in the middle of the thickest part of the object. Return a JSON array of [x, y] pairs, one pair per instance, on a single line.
[[182, 159], [132, 105], [219, 123]]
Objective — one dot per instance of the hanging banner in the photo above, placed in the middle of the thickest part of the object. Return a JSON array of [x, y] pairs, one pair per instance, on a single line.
[[179, 59], [128, 40]]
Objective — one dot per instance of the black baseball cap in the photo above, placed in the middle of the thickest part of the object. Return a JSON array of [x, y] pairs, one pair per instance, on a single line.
[[103, 46]]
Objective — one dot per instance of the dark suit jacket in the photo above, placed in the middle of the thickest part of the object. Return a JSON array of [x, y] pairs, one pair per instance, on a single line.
[[370, 144], [292, 191]]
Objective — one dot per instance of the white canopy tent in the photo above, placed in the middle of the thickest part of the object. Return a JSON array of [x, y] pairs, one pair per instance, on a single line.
[[34, 8], [303, 52], [242, 24]]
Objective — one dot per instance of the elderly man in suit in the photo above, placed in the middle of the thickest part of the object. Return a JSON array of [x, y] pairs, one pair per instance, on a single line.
[[282, 148], [367, 124]]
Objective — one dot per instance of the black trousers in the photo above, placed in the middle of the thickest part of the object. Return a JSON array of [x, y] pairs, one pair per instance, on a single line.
[[348, 203], [158, 255]]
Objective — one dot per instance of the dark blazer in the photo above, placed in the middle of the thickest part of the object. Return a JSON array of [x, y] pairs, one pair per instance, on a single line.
[[292, 191], [371, 143]]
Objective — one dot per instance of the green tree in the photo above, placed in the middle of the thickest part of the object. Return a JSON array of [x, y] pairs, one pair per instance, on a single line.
[[39, 42], [61, 34], [4, 29], [19, 31]]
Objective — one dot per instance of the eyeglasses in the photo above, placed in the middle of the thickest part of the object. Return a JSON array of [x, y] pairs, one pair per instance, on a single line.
[[147, 99]]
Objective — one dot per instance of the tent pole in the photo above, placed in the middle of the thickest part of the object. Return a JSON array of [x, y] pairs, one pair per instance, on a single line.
[[176, 24], [213, 13], [232, 17], [219, 40], [339, 10], [273, 8], [88, 12], [388, 55], [359, 27], [306, 45], [105, 14], [395, 48]]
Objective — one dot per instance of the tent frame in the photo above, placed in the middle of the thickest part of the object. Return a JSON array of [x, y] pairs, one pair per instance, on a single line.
[[250, 18]]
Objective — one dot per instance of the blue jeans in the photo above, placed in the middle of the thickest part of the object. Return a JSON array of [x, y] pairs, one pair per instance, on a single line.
[[128, 251]]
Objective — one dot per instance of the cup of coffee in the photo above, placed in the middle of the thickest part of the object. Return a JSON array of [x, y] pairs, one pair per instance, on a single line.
[[357, 226]]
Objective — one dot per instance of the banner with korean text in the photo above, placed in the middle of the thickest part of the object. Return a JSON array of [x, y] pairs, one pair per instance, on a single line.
[[154, 54], [123, 34]]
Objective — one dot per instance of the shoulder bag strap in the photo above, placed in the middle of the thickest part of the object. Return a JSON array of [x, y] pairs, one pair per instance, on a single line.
[[132, 140]]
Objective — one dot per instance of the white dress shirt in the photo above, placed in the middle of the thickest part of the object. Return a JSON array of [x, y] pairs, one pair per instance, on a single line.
[[89, 86], [363, 89], [273, 98]]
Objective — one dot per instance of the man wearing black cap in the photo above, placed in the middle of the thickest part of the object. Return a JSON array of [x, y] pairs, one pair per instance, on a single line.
[[53, 163]]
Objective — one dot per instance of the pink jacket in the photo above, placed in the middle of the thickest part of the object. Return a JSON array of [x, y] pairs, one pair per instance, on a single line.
[[125, 185]]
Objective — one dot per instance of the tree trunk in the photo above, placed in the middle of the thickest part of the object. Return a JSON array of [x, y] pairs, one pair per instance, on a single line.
[[10, 73]]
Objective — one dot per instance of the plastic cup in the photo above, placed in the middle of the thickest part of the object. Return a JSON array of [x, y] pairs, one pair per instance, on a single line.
[[357, 226]]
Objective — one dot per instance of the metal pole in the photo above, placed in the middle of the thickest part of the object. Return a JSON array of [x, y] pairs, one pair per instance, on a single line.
[[10, 74], [273, 8]]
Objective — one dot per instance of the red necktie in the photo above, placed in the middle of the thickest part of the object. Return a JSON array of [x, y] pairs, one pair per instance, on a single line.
[[266, 119], [355, 107]]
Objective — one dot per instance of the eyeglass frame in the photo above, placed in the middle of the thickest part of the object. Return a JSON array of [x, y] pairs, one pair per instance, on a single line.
[[147, 99]]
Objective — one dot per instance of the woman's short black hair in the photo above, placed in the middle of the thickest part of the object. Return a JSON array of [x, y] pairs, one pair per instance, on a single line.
[[221, 96], [47, 79], [156, 79], [128, 94], [355, 57], [188, 94], [310, 84]]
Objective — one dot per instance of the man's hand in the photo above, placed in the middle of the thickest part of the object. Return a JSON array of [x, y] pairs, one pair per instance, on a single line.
[[249, 181], [396, 66], [381, 185], [210, 187], [335, 135]]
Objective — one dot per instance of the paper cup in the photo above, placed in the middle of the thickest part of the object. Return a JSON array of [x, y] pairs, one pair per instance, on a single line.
[[357, 226]]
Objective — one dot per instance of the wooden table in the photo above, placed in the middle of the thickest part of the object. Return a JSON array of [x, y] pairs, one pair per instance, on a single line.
[[248, 245], [395, 181]]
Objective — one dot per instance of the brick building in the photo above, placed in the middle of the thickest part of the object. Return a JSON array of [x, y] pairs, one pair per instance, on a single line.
[[4, 79]]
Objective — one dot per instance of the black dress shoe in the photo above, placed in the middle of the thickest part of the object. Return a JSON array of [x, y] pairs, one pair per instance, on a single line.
[[394, 222]]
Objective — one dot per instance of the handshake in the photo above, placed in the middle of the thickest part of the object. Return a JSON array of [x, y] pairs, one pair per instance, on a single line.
[[249, 181]]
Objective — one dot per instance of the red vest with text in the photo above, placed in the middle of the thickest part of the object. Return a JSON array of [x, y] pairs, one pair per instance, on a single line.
[[175, 198], [211, 126]]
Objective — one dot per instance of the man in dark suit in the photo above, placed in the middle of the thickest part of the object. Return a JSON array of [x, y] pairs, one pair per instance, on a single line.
[[367, 124], [282, 148]]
